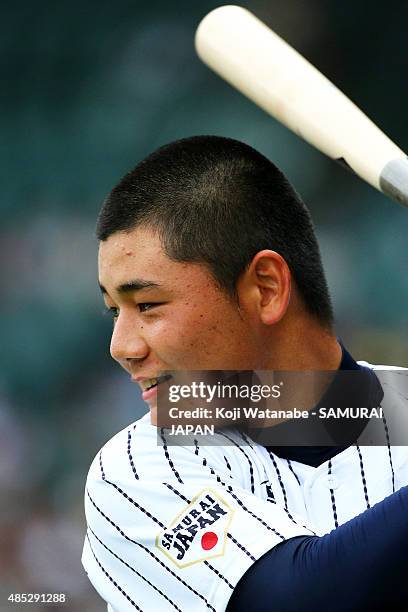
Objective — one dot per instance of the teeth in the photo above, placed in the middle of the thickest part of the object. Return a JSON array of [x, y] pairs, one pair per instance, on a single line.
[[149, 382]]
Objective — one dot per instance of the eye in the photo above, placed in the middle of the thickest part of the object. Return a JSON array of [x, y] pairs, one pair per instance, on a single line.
[[145, 306], [112, 311]]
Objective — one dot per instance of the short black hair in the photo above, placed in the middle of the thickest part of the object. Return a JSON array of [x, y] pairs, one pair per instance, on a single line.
[[218, 201]]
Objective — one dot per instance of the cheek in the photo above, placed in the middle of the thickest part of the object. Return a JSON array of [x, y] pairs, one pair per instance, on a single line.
[[170, 338], [175, 338], [199, 335], [214, 332]]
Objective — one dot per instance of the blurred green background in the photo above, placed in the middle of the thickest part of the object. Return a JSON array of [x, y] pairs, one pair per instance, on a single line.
[[89, 89]]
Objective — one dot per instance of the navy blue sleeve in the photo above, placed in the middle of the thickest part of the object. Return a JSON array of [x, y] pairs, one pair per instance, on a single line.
[[360, 566]]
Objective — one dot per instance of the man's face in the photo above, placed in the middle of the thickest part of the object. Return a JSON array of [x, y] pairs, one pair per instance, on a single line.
[[169, 315]]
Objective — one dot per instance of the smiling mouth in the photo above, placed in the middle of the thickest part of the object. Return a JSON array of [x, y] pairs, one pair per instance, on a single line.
[[149, 383]]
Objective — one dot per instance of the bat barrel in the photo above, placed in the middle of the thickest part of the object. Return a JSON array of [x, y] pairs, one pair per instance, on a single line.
[[394, 180], [255, 60]]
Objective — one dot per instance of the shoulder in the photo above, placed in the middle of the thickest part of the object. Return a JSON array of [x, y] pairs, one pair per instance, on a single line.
[[372, 366], [116, 449], [142, 452], [393, 380]]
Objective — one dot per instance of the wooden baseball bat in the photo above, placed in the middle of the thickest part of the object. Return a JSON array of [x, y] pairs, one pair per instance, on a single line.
[[255, 60]]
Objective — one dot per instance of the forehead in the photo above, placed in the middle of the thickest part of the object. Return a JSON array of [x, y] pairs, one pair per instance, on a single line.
[[123, 250], [125, 256]]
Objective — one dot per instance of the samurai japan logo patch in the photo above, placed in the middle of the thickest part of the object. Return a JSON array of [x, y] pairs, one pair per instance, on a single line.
[[199, 532]]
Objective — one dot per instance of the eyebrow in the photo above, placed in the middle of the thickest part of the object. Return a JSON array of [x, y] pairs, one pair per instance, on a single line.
[[132, 286]]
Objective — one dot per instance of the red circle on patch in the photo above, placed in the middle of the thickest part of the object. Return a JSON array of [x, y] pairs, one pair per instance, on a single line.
[[209, 540]]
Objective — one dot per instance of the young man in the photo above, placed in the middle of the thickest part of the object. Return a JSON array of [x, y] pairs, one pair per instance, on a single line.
[[208, 261]]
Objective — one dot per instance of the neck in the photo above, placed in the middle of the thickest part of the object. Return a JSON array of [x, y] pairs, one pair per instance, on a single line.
[[303, 344]]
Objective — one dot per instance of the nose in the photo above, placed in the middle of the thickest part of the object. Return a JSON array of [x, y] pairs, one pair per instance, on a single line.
[[127, 341]]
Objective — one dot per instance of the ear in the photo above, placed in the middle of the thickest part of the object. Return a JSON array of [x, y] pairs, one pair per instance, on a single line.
[[265, 286]]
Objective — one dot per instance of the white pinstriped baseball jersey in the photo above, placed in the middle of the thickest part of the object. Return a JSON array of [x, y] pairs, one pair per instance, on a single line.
[[176, 527]]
